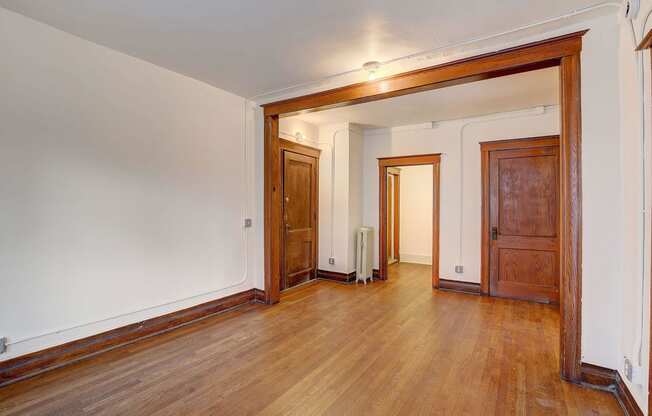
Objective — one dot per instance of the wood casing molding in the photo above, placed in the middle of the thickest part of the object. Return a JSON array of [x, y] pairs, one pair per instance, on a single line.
[[607, 379], [29, 365], [388, 162], [302, 149], [646, 43], [563, 52]]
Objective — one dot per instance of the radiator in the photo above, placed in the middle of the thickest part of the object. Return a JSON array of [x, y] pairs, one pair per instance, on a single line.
[[364, 255]]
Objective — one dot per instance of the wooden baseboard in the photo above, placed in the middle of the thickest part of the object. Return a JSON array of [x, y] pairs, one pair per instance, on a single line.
[[38, 362], [626, 399], [608, 379], [336, 276], [596, 376], [259, 295], [457, 286]]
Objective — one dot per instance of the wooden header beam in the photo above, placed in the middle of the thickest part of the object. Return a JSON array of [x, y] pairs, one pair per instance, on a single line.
[[537, 55]]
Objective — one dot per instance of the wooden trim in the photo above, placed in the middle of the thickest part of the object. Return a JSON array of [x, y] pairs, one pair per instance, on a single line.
[[299, 148], [626, 400], [272, 211], [397, 217], [397, 213], [525, 143], [646, 43], [536, 55], [457, 286], [608, 379], [563, 51], [409, 160], [486, 148], [415, 160], [570, 251], [597, 376], [38, 362], [259, 295], [336, 276]]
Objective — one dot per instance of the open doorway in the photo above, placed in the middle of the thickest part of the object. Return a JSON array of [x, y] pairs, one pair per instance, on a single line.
[[562, 55], [420, 195]]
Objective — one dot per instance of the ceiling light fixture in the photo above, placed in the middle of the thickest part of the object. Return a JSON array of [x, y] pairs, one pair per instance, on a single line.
[[372, 68]]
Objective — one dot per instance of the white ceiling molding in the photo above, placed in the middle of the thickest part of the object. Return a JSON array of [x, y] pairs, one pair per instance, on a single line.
[[561, 25]]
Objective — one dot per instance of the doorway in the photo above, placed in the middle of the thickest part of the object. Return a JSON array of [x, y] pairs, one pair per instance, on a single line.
[[520, 219], [300, 167], [387, 212], [563, 52], [393, 215]]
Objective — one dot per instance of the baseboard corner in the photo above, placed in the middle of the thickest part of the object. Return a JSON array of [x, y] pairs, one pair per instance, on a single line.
[[595, 376]]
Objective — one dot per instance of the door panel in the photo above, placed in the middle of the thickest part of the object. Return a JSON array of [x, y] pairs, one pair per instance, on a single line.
[[528, 205], [524, 223], [300, 215]]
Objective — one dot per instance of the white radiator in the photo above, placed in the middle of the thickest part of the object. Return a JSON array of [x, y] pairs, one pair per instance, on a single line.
[[364, 255]]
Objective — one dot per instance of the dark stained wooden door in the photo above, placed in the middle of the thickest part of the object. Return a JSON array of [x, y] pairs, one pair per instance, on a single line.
[[300, 218], [524, 222]]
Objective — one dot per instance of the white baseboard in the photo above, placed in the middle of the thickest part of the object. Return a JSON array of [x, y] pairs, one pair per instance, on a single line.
[[416, 258]]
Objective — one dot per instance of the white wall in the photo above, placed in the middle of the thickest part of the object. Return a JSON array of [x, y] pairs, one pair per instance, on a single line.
[[123, 191], [415, 240], [456, 181], [635, 84], [354, 194]]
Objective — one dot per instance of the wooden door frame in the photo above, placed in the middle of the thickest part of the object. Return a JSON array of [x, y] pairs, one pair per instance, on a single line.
[[384, 163], [290, 146], [563, 52], [486, 148], [396, 221]]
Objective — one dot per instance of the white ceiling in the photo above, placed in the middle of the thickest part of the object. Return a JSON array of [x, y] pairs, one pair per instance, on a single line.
[[251, 47], [514, 92]]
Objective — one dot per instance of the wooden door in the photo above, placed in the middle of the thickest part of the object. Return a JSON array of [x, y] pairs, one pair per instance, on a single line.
[[524, 220], [300, 218]]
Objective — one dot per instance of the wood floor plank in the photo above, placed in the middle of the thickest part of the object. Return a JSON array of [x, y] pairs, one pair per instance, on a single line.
[[387, 348]]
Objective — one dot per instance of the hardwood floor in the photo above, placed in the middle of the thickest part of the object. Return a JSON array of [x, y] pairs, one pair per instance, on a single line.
[[387, 348]]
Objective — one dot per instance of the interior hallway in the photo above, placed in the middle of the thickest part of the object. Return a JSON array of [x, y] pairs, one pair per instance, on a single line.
[[387, 348]]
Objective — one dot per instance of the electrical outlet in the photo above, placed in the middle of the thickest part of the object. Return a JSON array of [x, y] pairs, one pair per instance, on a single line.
[[3, 345], [459, 269], [331, 260], [628, 369]]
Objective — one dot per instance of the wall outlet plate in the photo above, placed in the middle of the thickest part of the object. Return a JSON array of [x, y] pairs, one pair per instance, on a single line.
[[3, 345], [331, 260], [459, 269], [628, 369]]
